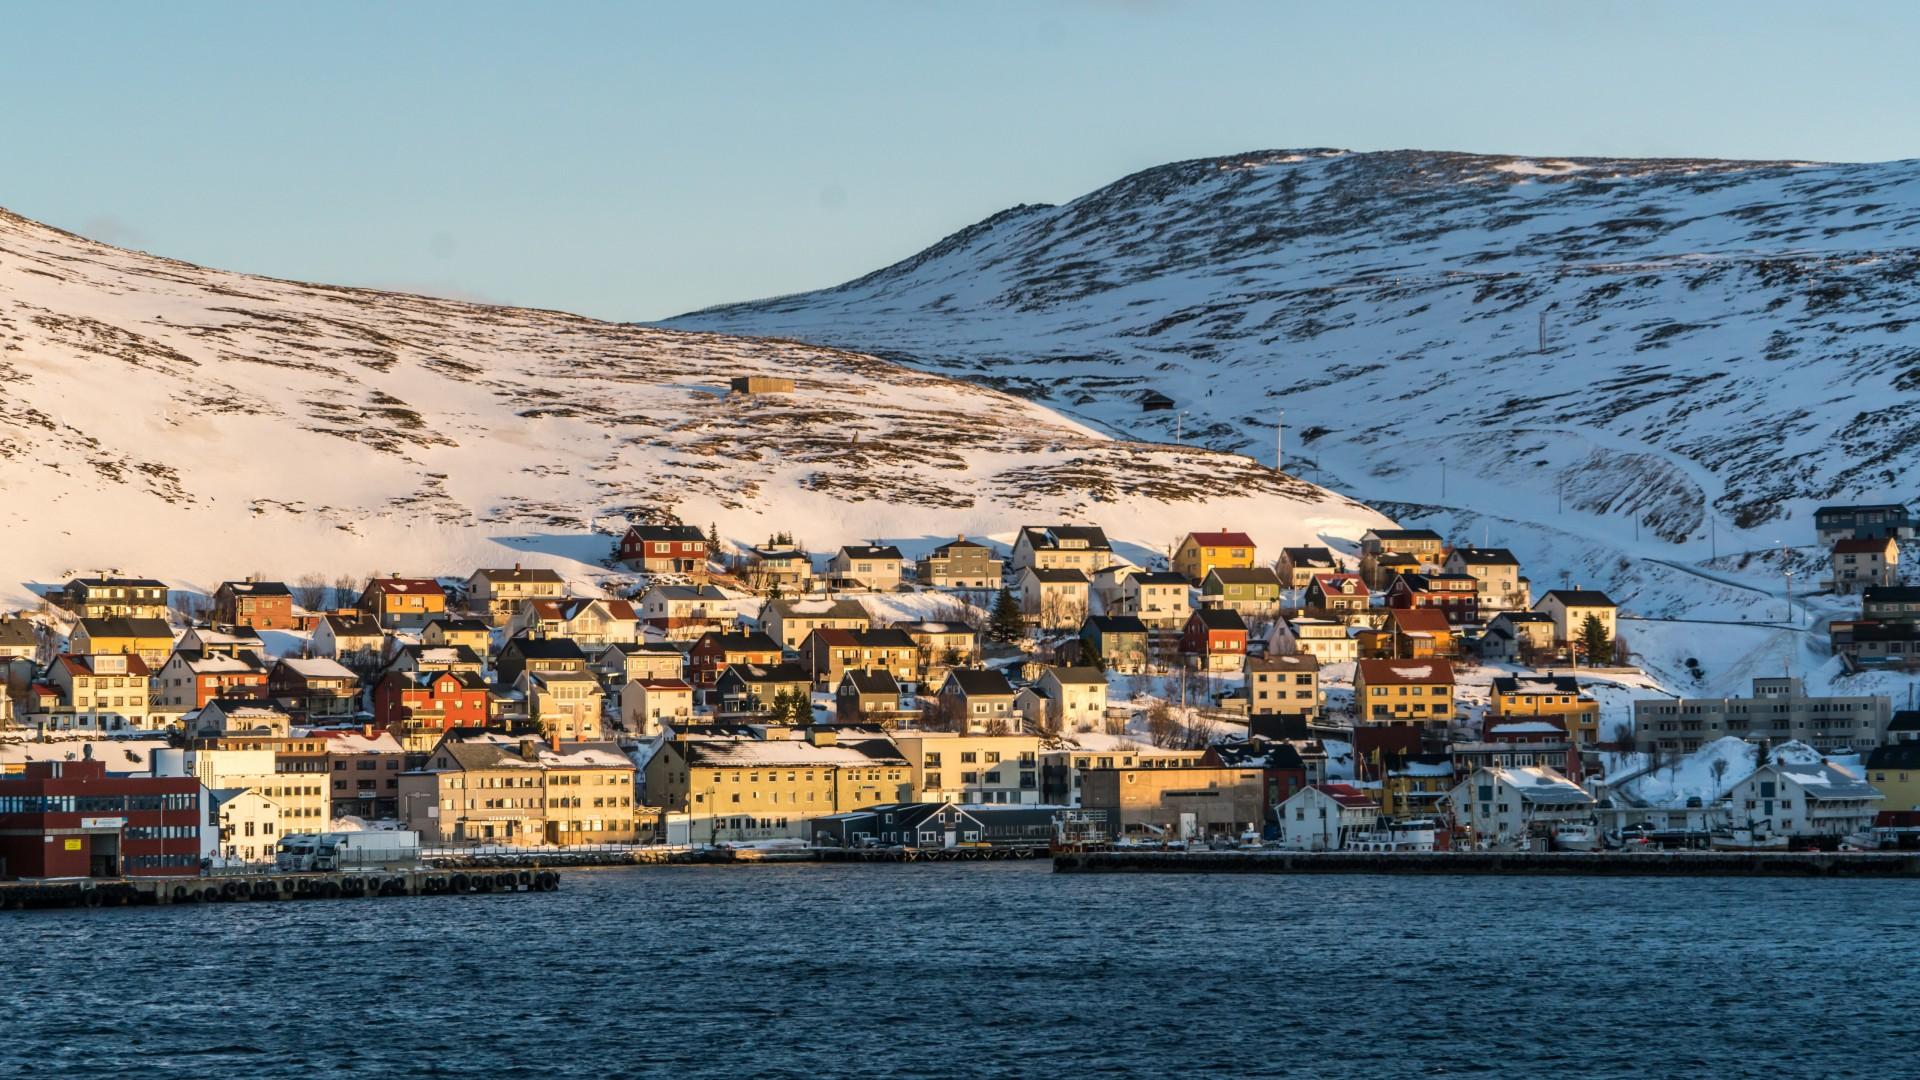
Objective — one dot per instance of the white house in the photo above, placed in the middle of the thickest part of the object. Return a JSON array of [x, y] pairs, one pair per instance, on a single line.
[[1797, 793], [1508, 806], [1321, 817]]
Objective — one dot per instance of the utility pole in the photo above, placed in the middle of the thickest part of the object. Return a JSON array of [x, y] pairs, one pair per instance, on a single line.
[[1280, 443], [1177, 418], [1443, 478]]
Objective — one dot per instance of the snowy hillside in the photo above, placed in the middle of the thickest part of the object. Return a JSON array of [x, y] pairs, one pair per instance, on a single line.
[[1562, 346], [164, 419]]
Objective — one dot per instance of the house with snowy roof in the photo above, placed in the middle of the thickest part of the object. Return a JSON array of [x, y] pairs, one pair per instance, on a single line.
[[789, 620], [354, 640], [95, 692], [1501, 806], [240, 716], [1200, 553], [1283, 770], [537, 795], [314, 689], [1530, 696], [222, 639], [189, 679], [590, 622], [1800, 795], [732, 789], [1416, 692], [1324, 817], [1298, 565]]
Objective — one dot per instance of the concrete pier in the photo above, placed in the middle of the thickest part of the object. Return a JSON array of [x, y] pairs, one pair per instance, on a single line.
[[262, 888], [1597, 863]]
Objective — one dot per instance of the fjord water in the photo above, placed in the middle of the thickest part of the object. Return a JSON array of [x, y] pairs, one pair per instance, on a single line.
[[984, 970]]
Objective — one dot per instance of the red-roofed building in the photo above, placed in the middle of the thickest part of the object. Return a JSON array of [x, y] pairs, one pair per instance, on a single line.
[[1201, 552], [1859, 564], [1344, 593], [1324, 817], [1417, 634], [414, 702], [1403, 692], [1455, 595]]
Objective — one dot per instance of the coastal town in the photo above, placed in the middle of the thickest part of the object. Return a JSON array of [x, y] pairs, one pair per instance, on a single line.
[[1413, 693]]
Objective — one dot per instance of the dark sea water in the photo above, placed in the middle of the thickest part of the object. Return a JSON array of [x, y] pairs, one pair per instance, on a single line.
[[985, 970]]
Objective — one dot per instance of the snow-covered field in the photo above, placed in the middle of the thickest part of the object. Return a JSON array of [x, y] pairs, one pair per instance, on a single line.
[[171, 421]]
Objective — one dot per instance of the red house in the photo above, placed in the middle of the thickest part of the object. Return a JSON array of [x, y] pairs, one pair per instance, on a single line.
[[1454, 595], [717, 651], [430, 700], [73, 819], [666, 549], [1215, 639]]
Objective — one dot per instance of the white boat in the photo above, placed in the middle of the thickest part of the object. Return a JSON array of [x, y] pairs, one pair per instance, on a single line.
[[1413, 835], [1576, 836], [1747, 840]]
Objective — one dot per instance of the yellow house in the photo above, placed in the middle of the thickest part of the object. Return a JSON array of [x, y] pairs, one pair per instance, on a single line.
[[1549, 695], [1895, 770], [447, 630], [1570, 608], [502, 790], [762, 789], [1418, 692], [1201, 552], [149, 639], [1413, 787]]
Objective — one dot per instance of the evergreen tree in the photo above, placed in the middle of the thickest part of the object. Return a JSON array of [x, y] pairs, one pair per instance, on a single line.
[[1090, 654], [713, 539], [774, 591], [1007, 623], [1595, 642], [790, 707]]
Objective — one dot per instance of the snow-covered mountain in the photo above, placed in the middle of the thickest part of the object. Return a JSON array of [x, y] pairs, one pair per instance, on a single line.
[[165, 419], [1710, 347]]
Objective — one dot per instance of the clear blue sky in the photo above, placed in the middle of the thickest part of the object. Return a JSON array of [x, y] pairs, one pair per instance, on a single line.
[[635, 161]]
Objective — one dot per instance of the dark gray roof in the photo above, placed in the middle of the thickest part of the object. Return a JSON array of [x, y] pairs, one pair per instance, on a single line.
[[1486, 556], [870, 551], [976, 682], [667, 532], [16, 632], [1245, 575], [1284, 662], [963, 542], [886, 637], [738, 641], [258, 588], [1057, 577], [785, 672], [1896, 594], [1900, 755], [1045, 537], [1405, 534], [1078, 676], [1905, 720], [529, 574], [1159, 577], [1220, 618], [870, 682], [146, 628], [1581, 597], [552, 648], [1114, 624]]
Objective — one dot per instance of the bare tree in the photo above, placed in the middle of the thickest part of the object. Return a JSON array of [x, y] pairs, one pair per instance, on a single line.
[[1163, 729], [310, 591], [345, 588], [996, 726]]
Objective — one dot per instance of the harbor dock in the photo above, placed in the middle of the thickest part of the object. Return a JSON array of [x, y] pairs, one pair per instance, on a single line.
[[1819, 864], [261, 888]]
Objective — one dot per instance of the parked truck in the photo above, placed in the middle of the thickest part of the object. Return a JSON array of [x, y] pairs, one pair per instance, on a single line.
[[373, 850]]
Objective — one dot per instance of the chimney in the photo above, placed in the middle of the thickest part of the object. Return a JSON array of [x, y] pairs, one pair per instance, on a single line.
[[530, 749], [516, 568], [367, 730]]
